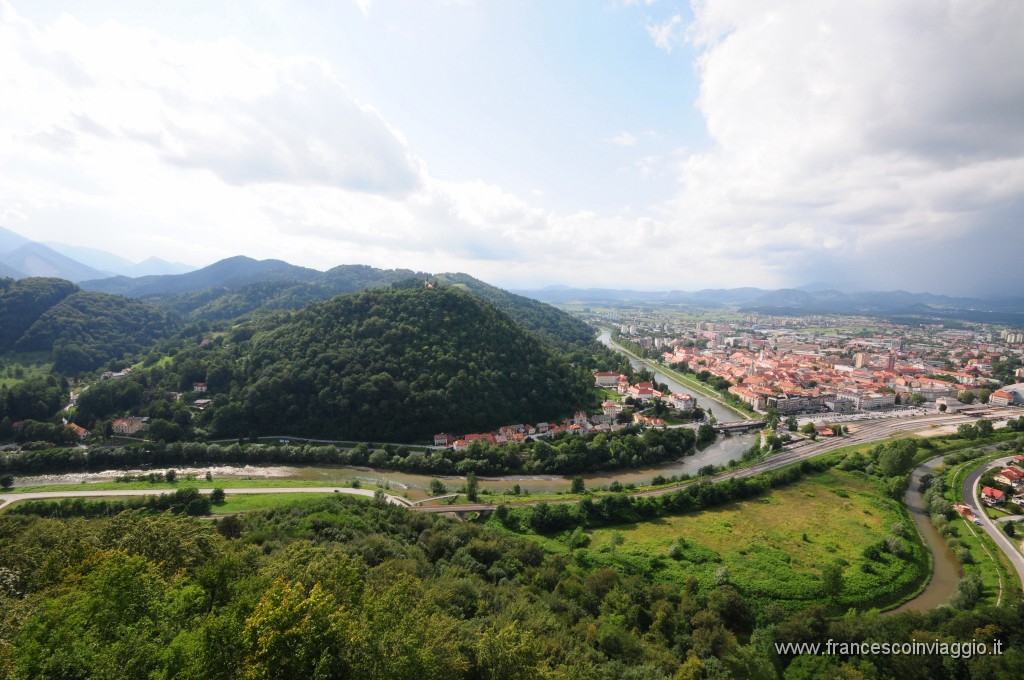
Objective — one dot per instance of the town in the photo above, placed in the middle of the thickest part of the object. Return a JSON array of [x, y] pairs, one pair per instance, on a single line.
[[816, 364]]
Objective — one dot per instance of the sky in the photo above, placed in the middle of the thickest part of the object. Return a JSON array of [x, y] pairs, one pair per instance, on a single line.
[[644, 144]]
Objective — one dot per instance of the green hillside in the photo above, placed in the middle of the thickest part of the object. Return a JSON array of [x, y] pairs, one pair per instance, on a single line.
[[399, 365], [240, 286], [23, 302], [85, 330], [550, 323]]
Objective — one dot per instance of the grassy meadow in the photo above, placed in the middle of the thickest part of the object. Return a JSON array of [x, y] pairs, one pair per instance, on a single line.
[[17, 367], [774, 548]]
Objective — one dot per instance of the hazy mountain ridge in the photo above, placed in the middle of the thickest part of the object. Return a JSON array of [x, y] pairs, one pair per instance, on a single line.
[[232, 272], [21, 257], [117, 265], [36, 259], [788, 300]]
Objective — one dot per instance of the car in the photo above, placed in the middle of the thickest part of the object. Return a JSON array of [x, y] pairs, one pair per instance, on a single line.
[[977, 521]]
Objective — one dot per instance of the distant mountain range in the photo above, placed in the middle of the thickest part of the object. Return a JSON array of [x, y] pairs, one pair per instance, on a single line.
[[812, 299], [21, 257], [239, 285]]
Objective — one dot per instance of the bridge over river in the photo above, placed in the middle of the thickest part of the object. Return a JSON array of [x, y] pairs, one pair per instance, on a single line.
[[740, 426]]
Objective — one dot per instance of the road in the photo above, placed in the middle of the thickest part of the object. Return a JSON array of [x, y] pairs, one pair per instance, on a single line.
[[868, 432], [8, 498], [972, 498]]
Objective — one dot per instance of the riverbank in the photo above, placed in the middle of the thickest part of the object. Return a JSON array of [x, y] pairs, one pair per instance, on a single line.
[[685, 383]]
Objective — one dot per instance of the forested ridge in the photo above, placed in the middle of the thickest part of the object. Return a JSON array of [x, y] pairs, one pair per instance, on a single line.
[[84, 330], [240, 286], [551, 324], [22, 302], [231, 299]]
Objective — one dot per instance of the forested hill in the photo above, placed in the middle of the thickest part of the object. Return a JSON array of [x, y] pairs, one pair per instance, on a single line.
[[84, 330], [241, 296], [550, 323], [240, 286], [398, 365], [233, 272], [23, 302]]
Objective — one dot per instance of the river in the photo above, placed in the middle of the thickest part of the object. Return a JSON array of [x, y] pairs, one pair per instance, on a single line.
[[945, 570], [721, 413]]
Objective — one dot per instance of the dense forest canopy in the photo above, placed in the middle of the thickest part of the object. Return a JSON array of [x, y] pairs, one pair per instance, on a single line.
[[84, 330], [344, 588], [398, 364], [551, 324], [239, 286], [22, 302], [402, 364]]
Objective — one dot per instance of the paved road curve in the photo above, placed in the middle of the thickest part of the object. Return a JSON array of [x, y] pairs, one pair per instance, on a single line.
[[971, 497]]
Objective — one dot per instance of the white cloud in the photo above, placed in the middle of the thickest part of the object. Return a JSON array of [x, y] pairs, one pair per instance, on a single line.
[[129, 141], [870, 143], [858, 133], [623, 139], [669, 33]]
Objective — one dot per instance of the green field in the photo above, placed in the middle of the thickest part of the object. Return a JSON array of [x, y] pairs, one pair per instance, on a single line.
[[17, 367], [773, 548], [245, 503]]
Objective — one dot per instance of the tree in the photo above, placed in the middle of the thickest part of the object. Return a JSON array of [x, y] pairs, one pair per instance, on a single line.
[[966, 397], [967, 431], [171, 476], [437, 487], [577, 485], [6, 481], [984, 428], [292, 634], [832, 579], [917, 399], [897, 458], [967, 593], [791, 423], [229, 527], [808, 428], [472, 487], [705, 434], [508, 654], [217, 496]]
